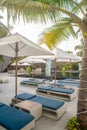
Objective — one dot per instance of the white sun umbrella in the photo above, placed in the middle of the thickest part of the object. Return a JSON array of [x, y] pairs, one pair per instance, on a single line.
[[25, 64], [21, 64], [59, 55], [16, 45], [32, 60], [14, 64], [73, 59], [68, 60], [44, 57], [62, 56]]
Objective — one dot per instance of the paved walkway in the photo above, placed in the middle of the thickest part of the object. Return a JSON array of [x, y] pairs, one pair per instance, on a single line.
[[7, 92]]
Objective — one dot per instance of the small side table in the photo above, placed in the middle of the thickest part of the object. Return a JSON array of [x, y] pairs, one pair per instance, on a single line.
[[32, 107]]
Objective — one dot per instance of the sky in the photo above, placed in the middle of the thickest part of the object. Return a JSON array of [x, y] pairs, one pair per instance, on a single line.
[[33, 30]]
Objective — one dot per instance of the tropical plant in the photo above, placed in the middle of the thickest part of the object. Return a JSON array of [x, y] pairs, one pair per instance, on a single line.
[[73, 124], [70, 17], [28, 70], [64, 69]]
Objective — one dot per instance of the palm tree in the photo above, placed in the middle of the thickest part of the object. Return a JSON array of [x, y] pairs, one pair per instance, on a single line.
[[70, 16], [67, 26]]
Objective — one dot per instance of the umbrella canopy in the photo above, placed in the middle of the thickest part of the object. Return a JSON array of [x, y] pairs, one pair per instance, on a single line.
[[32, 61], [59, 55], [62, 55], [21, 64], [25, 47], [72, 58], [16, 45]]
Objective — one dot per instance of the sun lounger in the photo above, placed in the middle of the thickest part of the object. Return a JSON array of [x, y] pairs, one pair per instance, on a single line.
[[58, 93], [64, 84], [32, 107], [14, 119], [33, 81], [50, 107], [71, 81], [68, 82]]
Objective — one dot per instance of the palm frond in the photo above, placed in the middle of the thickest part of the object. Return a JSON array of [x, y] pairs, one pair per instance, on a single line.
[[3, 30], [79, 53], [57, 33], [30, 10], [79, 47], [80, 8], [39, 10], [64, 4]]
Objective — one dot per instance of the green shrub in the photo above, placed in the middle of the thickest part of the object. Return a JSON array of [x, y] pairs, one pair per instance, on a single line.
[[64, 69], [28, 70], [73, 124]]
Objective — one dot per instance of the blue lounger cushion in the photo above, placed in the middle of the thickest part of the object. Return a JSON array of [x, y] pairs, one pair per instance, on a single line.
[[72, 81], [31, 81], [75, 80], [25, 96], [45, 88], [63, 90], [61, 85], [14, 119], [68, 84], [48, 102], [58, 84], [38, 81], [68, 81], [1, 104]]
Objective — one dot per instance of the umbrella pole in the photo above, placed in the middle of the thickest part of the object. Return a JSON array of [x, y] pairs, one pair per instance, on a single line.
[[70, 69], [32, 70], [55, 72], [16, 68]]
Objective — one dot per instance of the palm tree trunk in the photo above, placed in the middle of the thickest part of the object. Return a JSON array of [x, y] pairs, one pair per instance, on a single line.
[[82, 96]]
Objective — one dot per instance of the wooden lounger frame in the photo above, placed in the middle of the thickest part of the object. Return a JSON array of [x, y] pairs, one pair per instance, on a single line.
[[33, 84], [57, 95], [54, 114], [27, 127]]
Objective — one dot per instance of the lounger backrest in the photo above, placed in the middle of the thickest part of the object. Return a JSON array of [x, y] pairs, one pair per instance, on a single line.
[[1, 104], [25, 96], [14, 119], [63, 90]]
